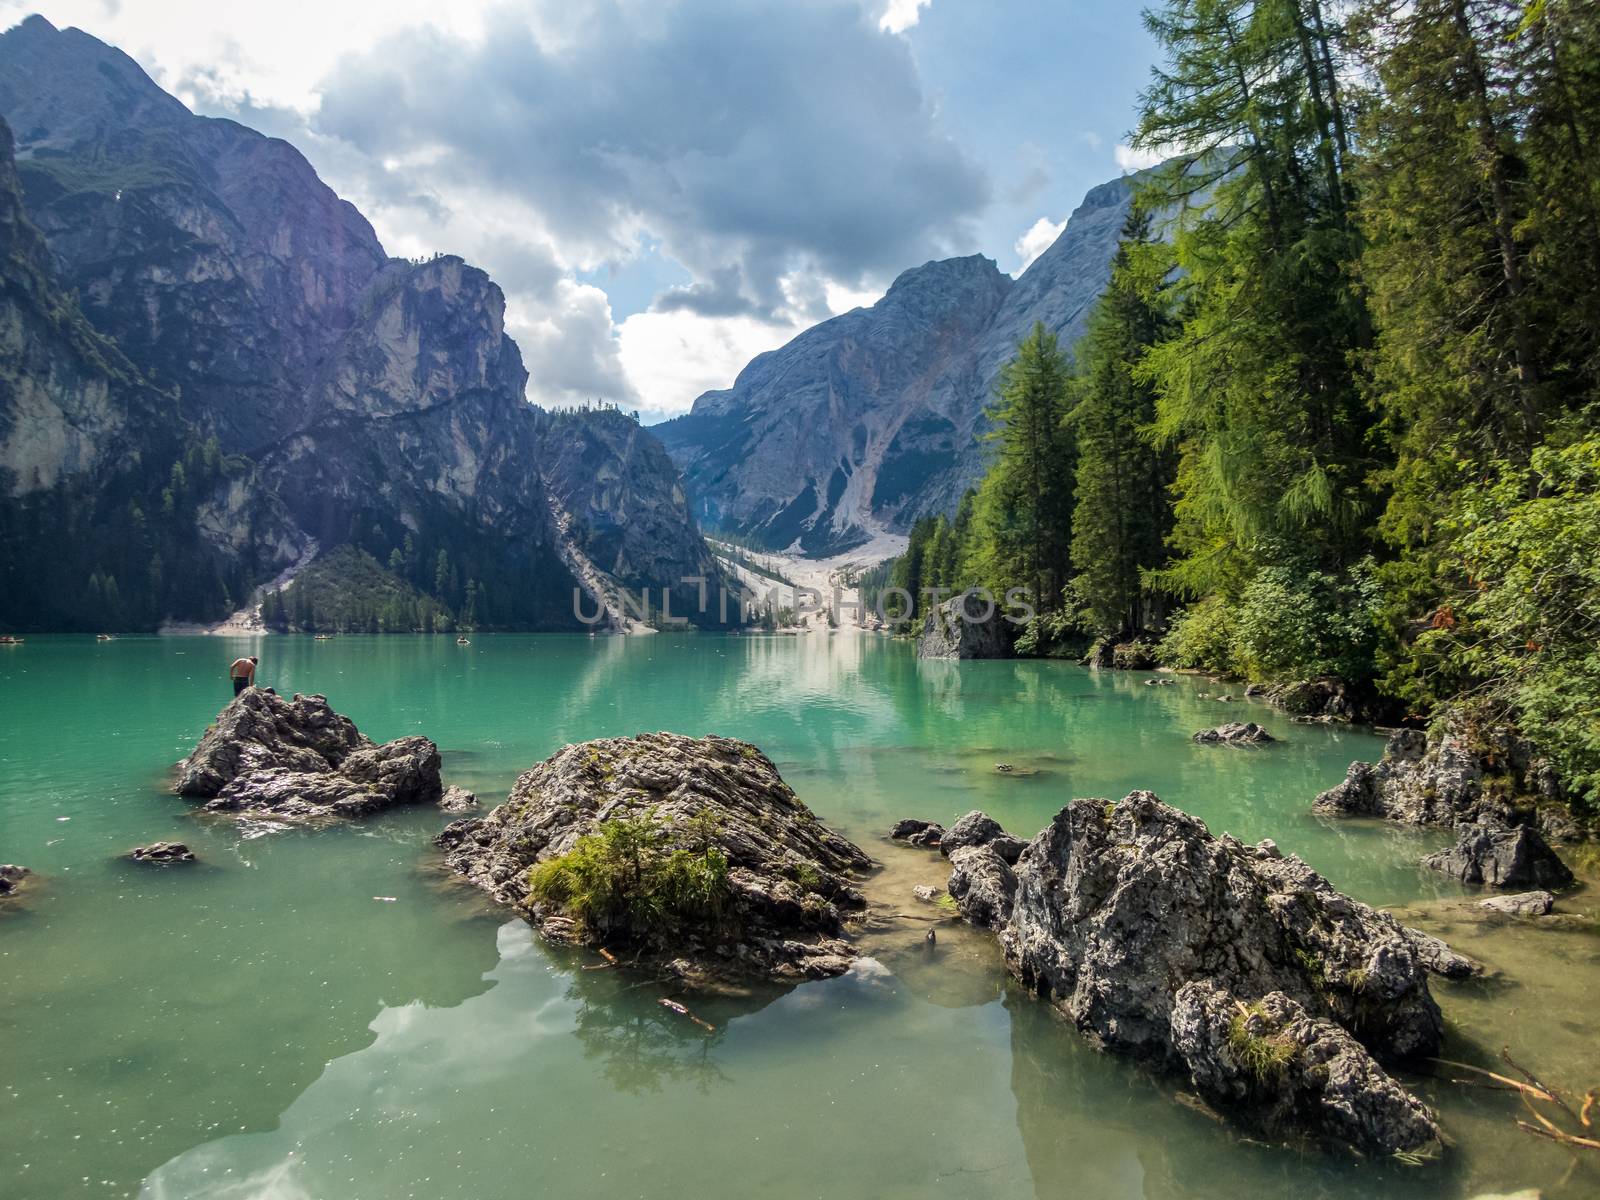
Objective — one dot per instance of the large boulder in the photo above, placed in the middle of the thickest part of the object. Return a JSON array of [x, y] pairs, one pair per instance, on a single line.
[[1152, 935], [11, 878], [1286, 1071], [967, 626], [1119, 905], [980, 829], [298, 759], [1501, 857], [774, 887], [1468, 773], [983, 885]]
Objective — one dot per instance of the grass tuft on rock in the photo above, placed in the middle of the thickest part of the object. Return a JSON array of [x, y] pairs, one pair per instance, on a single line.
[[1265, 1056]]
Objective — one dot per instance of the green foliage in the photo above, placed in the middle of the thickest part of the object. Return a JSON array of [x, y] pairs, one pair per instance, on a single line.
[[1255, 390], [1265, 1056], [629, 878], [346, 591], [1121, 519], [1300, 624], [1023, 511], [1204, 637], [1519, 629]]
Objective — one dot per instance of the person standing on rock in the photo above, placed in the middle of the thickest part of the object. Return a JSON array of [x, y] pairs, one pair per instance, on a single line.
[[243, 673]]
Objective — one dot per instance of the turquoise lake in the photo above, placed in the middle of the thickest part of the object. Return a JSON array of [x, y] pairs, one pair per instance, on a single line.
[[322, 1013]]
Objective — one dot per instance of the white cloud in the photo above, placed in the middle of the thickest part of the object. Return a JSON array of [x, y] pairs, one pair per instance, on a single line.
[[842, 299], [1130, 159], [901, 15], [541, 140], [1039, 237], [671, 357]]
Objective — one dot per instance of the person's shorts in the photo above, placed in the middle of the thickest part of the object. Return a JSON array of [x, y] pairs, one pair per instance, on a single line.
[[239, 685]]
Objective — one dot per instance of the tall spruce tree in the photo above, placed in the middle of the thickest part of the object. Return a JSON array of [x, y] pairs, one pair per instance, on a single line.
[[1256, 389], [1121, 516], [1024, 508]]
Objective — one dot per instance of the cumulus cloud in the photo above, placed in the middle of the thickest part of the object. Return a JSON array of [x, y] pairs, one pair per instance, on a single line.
[[901, 15], [751, 141], [786, 157], [569, 347], [1130, 159], [673, 356], [1038, 238]]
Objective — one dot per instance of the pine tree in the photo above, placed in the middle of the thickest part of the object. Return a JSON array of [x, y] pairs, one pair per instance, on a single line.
[[1121, 517], [1256, 389], [1024, 508]]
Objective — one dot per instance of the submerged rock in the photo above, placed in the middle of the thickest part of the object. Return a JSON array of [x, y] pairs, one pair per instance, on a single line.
[[1114, 908], [917, 833], [772, 887], [162, 852], [267, 756], [1496, 856], [1523, 904], [457, 800], [966, 626], [1235, 733], [11, 878]]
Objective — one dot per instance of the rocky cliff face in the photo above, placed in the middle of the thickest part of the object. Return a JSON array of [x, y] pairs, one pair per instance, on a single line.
[[625, 501], [304, 387], [843, 428], [875, 418]]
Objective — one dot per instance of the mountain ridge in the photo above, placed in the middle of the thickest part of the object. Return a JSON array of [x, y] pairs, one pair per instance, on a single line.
[[314, 391], [777, 457]]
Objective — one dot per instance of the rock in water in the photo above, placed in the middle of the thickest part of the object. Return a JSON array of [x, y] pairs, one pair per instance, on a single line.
[[298, 759], [457, 800], [1523, 904], [980, 829], [1235, 733], [1292, 1071], [917, 833], [11, 877], [1113, 909], [1467, 774], [778, 908], [1499, 857], [966, 627], [162, 852]]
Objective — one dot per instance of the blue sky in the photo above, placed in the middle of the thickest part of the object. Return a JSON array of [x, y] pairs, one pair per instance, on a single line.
[[666, 187]]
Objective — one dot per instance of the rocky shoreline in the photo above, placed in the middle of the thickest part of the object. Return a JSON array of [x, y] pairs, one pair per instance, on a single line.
[[1285, 1004], [1500, 795]]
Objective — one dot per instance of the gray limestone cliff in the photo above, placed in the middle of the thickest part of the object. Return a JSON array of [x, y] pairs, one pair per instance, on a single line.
[[310, 390], [874, 418]]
